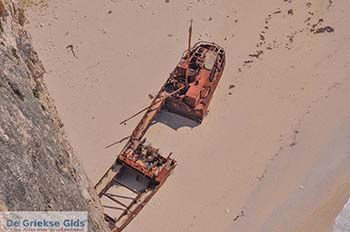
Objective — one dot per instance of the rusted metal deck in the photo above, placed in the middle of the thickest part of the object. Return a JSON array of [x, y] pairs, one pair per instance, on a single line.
[[136, 175]]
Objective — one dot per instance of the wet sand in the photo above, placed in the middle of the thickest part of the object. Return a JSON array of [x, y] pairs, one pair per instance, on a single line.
[[273, 153]]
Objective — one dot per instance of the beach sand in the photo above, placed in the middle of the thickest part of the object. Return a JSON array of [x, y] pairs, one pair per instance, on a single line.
[[273, 153]]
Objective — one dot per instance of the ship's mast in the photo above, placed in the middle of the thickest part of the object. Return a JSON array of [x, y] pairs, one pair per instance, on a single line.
[[190, 36], [188, 53]]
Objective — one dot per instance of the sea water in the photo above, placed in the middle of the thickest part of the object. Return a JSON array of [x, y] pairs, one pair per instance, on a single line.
[[342, 222]]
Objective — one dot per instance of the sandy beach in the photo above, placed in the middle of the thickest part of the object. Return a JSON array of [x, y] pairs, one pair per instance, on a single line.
[[273, 153]]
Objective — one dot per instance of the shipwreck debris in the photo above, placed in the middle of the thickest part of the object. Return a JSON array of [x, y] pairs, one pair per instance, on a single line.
[[239, 215], [117, 142], [328, 29], [140, 169], [257, 54], [198, 75], [71, 47]]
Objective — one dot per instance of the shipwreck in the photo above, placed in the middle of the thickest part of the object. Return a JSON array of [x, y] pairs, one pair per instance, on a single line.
[[140, 169]]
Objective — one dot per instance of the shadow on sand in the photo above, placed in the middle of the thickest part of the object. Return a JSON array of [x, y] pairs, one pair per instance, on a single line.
[[174, 121]]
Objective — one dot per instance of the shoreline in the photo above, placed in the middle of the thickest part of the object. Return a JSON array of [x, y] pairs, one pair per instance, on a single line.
[[323, 219], [342, 221]]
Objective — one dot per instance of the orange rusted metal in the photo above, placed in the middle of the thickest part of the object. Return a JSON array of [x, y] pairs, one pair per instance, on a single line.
[[198, 73], [147, 160], [138, 164]]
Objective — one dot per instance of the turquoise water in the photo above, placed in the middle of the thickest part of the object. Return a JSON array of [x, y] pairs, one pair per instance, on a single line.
[[342, 222]]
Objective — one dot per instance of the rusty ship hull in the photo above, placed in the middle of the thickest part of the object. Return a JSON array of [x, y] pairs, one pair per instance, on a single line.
[[198, 74]]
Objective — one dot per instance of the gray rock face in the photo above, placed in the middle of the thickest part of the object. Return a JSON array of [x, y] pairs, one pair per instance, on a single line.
[[38, 170]]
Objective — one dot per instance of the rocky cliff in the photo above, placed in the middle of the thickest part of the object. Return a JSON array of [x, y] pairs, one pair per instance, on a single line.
[[38, 170]]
